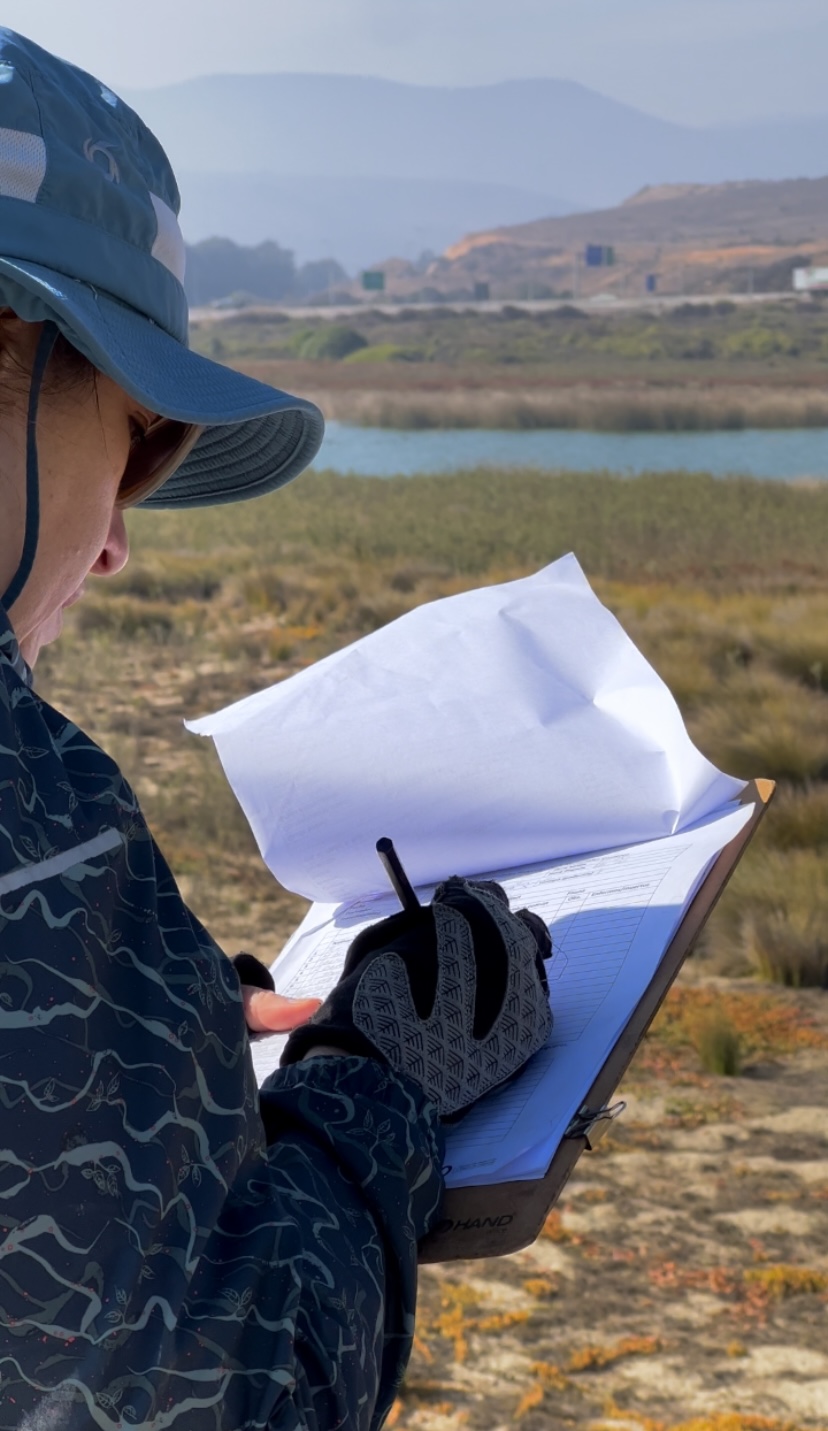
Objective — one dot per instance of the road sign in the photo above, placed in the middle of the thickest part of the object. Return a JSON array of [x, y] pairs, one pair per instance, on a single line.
[[599, 255], [373, 280]]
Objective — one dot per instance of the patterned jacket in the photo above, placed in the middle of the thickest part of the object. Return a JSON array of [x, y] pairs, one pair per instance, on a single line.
[[160, 1266]]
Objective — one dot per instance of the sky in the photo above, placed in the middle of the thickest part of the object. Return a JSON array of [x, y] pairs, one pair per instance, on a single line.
[[692, 61]]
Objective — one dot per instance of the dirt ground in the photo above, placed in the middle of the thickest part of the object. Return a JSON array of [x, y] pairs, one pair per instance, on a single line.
[[684, 1276]]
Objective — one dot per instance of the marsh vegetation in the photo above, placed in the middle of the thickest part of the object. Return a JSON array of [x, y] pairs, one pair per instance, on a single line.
[[695, 367], [721, 583]]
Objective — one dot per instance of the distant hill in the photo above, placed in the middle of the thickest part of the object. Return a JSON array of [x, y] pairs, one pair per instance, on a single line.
[[699, 237], [218, 268], [789, 211], [349, 154], [355, 220]]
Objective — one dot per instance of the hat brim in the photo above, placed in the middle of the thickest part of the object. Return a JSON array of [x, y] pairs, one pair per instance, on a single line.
[[256, 437]]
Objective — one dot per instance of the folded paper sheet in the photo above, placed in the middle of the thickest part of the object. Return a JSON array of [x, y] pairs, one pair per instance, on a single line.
[[491, 730]]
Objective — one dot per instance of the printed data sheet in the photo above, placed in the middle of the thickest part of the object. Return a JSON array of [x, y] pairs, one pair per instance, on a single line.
[[611, 916]]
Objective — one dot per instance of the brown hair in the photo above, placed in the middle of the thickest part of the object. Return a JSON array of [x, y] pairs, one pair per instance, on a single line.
[[68, 368]]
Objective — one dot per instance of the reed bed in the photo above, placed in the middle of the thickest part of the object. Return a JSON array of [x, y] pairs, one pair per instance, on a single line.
[[698, 367], [682, 408]]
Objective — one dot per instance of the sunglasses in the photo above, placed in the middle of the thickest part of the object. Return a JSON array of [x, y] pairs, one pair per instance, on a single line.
[[153, 458]]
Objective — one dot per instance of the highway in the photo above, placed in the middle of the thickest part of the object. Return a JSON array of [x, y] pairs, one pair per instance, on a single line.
[[599, 303]]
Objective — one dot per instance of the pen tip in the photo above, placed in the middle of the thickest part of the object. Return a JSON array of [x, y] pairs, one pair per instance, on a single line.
[[384, 845]]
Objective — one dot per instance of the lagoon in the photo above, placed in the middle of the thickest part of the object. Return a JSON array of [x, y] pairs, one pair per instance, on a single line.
[[787, 455]]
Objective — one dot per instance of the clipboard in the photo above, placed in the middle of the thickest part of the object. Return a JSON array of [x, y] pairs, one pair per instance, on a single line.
[[504, 1217]]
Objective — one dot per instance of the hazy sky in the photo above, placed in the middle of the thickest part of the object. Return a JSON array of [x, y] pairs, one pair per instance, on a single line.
[[697, 61]]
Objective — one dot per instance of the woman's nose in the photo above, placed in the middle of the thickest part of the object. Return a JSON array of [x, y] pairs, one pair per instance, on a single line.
[[115, 552]]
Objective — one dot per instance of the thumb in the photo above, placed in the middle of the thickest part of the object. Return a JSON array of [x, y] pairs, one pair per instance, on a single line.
[[266, 1012]]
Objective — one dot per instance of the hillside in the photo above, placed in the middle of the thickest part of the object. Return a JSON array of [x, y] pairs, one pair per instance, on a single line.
[[698, 238], [330, 165], [790, 211]]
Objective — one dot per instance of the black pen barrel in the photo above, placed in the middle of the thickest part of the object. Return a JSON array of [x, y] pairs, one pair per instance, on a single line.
[[402, 885]]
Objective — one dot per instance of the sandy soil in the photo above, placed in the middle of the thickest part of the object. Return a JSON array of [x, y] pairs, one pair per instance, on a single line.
[[684, 1277]]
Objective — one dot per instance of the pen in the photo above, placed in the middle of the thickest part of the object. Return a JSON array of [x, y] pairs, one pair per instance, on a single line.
[[397, 875]]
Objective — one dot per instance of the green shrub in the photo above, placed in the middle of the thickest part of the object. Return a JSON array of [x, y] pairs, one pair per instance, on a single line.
[[385, 353], [330, 341], [759, 342]]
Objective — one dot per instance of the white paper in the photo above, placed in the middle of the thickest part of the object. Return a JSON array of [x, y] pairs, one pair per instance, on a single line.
[[611, 917], [494, 729]]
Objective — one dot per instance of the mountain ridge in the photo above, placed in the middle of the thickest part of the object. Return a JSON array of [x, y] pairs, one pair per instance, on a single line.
[[558, 140], [358, 221]]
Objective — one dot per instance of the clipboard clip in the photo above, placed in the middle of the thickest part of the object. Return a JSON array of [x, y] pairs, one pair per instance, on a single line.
[[592, 1123]]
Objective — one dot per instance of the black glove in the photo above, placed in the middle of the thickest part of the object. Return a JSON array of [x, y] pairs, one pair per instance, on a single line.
[[252, 972], [454, 995]]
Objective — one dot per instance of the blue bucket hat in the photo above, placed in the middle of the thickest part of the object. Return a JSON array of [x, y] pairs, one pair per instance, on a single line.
[[89, 241]]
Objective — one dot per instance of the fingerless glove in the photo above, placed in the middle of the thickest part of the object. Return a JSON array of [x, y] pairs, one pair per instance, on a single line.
[[454, 995]]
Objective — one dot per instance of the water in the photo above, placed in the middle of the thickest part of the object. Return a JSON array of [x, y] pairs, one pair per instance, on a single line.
[[385, 452]]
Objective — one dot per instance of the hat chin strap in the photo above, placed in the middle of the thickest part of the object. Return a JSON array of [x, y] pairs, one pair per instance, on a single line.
[[45, 345]]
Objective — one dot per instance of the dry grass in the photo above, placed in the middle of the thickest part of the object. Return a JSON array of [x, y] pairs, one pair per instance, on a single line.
[[718, 1044], [800, 818], [722, 584], [595, 1357], [689, 408], [763, 1026], [726, 1421], [773, 917], [789, 946], [782, 1281], [763, 722]]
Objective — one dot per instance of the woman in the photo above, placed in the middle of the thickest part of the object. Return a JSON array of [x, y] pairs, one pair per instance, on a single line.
[[174, 1250]]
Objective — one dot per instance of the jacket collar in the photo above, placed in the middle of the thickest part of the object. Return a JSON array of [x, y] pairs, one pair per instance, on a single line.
[[10, 651]]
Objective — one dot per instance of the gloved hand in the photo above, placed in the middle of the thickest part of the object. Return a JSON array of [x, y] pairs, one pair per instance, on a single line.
[[454, 995]]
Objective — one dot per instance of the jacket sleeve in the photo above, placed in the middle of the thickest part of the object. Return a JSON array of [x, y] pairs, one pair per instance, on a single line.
[[357, 1153], [162, 1262]]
